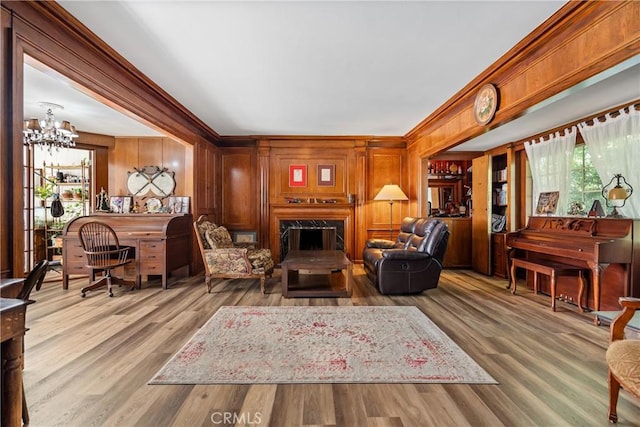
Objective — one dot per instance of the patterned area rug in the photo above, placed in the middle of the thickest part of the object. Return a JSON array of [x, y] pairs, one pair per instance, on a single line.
[[249, 345]]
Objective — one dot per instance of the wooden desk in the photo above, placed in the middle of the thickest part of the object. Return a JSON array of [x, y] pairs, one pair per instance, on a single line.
[[11, 287], [331, 283], [161, 242], [12, 321]]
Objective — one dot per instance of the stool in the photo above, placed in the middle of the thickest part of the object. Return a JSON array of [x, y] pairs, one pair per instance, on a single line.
[[553, 270]]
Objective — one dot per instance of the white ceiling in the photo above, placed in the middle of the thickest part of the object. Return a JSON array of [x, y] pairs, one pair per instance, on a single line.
[[315, 68]]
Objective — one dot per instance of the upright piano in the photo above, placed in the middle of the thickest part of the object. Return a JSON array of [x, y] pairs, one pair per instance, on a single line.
[[609, 248], [161, 243]]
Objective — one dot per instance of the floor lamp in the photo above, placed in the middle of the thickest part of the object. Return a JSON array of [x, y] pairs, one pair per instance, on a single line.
[[391, 192]]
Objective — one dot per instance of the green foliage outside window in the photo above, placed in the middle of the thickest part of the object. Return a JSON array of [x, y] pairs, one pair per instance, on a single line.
[[585, 182]]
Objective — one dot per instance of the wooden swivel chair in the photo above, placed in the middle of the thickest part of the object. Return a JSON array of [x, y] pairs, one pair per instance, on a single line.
[[104, 253], [622, 357], [33, 280]]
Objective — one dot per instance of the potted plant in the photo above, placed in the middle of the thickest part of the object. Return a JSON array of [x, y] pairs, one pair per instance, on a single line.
[[67, 194], [77, 193], [44, 192]]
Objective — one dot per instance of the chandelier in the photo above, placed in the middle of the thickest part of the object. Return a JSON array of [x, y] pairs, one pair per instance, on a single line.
[[48, 132]]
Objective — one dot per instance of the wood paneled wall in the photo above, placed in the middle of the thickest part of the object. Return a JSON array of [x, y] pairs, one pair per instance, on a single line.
[[130, 153], [579, 41], [239, 188]]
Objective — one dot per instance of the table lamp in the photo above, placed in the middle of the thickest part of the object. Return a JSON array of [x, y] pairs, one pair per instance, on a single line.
[[617, 194], [390, 193]]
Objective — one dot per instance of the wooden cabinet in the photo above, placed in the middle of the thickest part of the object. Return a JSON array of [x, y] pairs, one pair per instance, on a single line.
[[498, 255], [458, 253]]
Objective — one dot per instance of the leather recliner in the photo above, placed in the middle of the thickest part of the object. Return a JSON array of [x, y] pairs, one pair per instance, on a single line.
[[413, 262]]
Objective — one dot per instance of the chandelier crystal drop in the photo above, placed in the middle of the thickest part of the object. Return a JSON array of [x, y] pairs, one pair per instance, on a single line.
[[48, 132]]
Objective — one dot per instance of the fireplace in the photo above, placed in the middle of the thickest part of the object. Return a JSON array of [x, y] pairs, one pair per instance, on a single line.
[[310, 235]]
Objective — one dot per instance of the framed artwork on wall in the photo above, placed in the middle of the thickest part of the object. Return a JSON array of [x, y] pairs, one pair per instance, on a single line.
[[326, 175], [245, 237], [297, 175]]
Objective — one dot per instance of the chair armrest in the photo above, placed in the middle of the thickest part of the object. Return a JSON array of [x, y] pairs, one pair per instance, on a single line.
[[405, 254], [379, 244], [629, 307]]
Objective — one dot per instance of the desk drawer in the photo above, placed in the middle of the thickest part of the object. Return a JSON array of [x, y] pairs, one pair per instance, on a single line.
[[152, 267], [151, 247], [74, 258]]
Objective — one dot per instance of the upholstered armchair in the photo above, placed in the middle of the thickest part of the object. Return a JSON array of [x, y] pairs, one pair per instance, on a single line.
[[623, 357], [227, 260]]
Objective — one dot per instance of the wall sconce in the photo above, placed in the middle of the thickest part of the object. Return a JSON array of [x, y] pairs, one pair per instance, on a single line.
[[616, 195]]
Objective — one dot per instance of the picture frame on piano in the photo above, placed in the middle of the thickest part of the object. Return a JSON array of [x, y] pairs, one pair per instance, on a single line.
[[547, 203]]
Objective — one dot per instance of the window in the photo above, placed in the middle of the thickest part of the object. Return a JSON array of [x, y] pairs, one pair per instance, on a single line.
[[586, 186]]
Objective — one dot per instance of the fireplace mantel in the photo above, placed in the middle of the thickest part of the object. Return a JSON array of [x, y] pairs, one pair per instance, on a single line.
[[311, 211]]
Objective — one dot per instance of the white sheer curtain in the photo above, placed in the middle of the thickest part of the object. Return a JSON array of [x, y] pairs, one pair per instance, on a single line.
[[550, 163], [614, 146]]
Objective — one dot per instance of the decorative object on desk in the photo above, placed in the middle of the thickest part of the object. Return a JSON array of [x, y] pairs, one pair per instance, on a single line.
[[326, 175], [115, 204], [616, 195], [153, 205], [390, 193], [245, 237], [57, 210], [103, 201], [547, 203], [293, 200], [297, 175], [127, 203], [340, 344], [152, 179], [178, 204], [48, 132], [486, 104], [596, 209]]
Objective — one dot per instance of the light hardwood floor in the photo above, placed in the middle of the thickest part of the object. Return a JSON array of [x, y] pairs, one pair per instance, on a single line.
[[88, 361]]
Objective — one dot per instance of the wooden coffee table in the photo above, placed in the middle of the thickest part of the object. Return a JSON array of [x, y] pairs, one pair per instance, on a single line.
[[329, 274]]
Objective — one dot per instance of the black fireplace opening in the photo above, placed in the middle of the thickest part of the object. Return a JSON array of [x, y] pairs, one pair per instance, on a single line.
[[310, 239], [310, 235]]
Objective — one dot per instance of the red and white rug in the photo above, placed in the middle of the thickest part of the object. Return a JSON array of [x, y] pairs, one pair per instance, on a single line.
[[344, 344]]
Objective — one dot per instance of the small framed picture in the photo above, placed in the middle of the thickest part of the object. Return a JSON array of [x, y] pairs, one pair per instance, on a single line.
[[127, 204], [297, 175], [178, 204], [245, 237], [326, 175], [547, 203], [115, 204]]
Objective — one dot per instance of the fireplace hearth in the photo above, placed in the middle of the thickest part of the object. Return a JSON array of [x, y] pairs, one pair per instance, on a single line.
[[310, 235]]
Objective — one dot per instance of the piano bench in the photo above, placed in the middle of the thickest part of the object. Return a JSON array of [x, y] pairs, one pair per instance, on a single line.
[[553, 270]]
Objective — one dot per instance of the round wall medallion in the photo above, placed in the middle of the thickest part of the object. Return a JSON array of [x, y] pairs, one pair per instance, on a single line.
[[486, 104]]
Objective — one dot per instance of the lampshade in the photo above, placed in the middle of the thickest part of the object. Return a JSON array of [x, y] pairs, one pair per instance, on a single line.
[[391, 192], [617, 193]]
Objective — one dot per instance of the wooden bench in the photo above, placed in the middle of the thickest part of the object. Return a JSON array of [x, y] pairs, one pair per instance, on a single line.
[[553, 270]]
